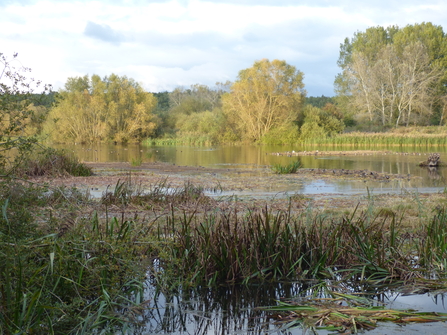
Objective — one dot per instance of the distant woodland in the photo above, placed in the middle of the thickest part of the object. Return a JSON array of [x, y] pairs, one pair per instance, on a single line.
[[389, 77]]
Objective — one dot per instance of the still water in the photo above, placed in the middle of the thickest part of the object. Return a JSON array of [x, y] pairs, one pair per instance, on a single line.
[[401, 160], [232, 310], [235, 310]]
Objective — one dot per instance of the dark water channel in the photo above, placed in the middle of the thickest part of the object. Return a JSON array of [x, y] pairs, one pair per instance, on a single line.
[[232, 310]]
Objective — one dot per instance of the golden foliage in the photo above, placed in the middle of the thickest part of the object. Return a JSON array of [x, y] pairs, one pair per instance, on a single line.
[[115, 109], [265, 96]]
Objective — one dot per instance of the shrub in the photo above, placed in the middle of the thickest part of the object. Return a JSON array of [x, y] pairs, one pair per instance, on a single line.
[[52, 162]]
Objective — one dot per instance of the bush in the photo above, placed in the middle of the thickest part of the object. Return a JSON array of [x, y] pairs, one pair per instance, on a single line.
[[285, 134], [17, 117]]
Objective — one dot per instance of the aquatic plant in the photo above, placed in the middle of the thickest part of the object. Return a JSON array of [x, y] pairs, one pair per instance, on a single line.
[[136, 161], [63, 274], [64, 270], [285, 169], [338, 312]]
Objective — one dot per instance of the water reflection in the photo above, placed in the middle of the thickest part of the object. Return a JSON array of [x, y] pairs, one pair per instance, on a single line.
[[232, 309], [229, 310], [258, 158]]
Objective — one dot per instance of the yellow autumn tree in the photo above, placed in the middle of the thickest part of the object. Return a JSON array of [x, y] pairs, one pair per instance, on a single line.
[[94, 109], [266, 96]]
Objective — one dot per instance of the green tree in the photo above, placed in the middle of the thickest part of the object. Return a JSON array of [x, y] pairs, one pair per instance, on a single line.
[[320, 123], [188, 101], [319, 102], [18, 113], [130, 115], [265, 96]]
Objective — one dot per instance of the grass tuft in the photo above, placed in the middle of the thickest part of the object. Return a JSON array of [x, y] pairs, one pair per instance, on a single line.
[[286, 169]]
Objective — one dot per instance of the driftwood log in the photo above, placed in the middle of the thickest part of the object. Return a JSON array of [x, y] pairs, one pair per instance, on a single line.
[[433, 160]]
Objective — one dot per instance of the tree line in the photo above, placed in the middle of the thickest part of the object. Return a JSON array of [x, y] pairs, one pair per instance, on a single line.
[[265, 104], [395, 76], [389, 77]]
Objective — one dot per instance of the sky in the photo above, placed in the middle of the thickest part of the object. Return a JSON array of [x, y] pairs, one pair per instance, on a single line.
[[166, 44]]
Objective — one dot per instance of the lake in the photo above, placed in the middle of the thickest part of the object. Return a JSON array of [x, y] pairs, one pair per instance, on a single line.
[[403, 160]]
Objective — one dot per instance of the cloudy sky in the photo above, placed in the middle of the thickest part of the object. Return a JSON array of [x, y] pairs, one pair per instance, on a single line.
[[165, 44]]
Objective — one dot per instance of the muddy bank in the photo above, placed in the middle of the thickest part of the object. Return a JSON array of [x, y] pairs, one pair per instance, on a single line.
[[353, 174], [244, 182]]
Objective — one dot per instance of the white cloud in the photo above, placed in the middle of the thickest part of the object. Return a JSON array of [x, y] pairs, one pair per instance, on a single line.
[[182, 42]]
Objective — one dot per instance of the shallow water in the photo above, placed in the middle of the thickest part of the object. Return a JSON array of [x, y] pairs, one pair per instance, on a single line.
[[232, 310], [403, 161]]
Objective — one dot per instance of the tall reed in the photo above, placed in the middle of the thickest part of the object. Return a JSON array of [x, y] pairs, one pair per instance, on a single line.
[[228, 246], [386, 138]]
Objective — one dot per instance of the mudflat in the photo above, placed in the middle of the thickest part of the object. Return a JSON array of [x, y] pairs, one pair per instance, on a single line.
[[146, 176]]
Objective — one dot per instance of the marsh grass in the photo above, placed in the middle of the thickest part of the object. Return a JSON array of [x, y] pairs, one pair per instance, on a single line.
[[49, 284], [262, 245], [412, 136], [75, 282], [127, 192], [187, 139], [92, 275], [432, 246], [136, 161], [51, 162], [285, 169]]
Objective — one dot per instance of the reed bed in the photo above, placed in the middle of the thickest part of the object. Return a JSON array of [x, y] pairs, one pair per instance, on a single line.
[[260, 245], [51, 162], [388, 138], [195, 140]]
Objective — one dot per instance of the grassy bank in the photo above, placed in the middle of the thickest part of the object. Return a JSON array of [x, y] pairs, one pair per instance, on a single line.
[[411, 136]]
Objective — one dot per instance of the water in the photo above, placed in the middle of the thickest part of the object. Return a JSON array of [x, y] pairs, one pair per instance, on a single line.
[[258, 158], [232, 310]]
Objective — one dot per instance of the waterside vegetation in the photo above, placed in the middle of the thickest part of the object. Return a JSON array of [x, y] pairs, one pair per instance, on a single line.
[[71, 264], [409, 136]]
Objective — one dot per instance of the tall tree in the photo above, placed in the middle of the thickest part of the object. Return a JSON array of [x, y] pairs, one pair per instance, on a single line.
[[267, 95], [394, 75]]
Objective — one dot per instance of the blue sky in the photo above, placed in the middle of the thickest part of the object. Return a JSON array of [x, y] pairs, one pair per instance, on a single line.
[[165, 44]]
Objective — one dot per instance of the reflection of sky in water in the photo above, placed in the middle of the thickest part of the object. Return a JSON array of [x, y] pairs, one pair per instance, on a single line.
[[356, 187], [421, 303], [231, 311], [334, 188]]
